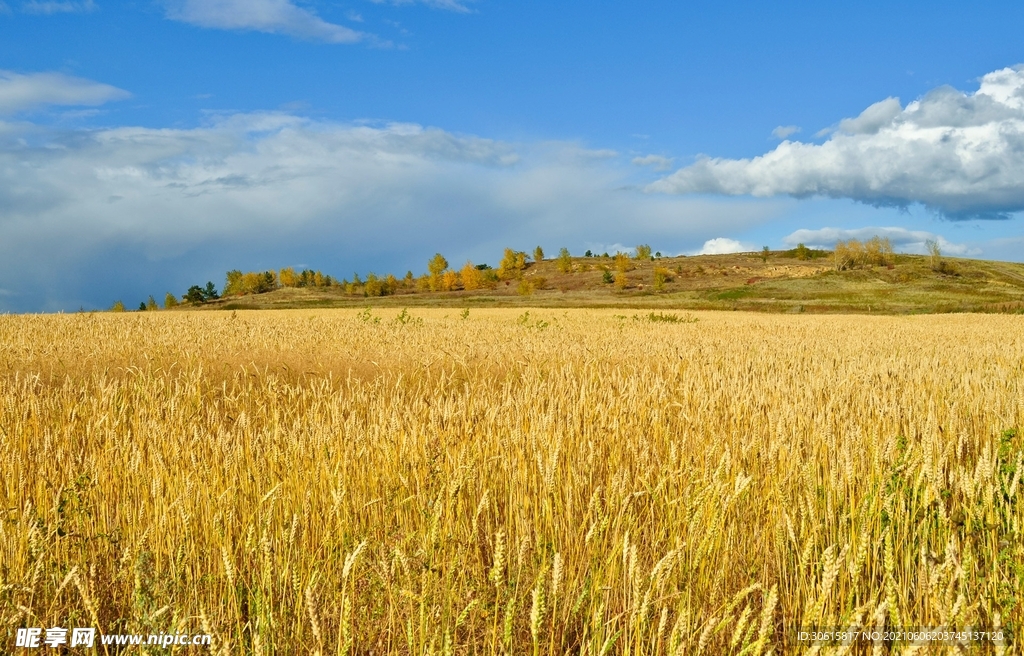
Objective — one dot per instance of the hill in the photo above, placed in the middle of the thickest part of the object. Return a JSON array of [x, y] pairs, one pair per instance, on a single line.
[[744, 281]]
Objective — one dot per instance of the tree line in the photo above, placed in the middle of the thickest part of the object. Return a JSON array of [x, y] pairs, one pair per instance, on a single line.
[[441, 277]]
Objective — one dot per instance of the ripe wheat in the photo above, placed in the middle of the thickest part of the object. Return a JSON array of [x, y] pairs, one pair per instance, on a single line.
[[342, 482]]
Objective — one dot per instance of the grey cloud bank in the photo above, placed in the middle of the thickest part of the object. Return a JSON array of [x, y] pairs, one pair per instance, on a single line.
[[958, 154], [88, 216]]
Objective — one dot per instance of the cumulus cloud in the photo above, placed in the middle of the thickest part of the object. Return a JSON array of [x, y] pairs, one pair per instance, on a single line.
[[21, 92], [723, 246], [657, 162], [50, 7], [87, 216], [959, 154], [907, 241], [272, 16], [784, 131]]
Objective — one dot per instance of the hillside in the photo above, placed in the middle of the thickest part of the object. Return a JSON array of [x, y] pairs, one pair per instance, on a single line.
[[724, 282]]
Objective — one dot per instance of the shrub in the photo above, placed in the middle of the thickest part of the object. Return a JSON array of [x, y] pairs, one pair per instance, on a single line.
[[661, 276], [529, 285]]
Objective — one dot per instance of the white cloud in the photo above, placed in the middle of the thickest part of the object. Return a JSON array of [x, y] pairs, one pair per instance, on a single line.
[[50, 7], [874, 118], [959, 154], [21, 92], [272, 16], [784, 131], [907, 241], [451, 5], [657, 162], [723, 246], [261, 190]]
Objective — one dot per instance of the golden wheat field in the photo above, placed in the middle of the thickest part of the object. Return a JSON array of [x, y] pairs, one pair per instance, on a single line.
[[541, 482]]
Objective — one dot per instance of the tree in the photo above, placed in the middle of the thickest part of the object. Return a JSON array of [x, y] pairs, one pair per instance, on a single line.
[[643, 252], [621, 266], [210, 292], [538, 254], [588, 253], [512, 264], [934, 254], [802, 252], [118, 306], [151, 304], [765, 252], [170, 300], [564, 261], [841, 255], [380, 287], [288, 278], [436, 266], [472, 277], [877, 251], [194, 295], [142, 306], [449, 280], [233, 282]]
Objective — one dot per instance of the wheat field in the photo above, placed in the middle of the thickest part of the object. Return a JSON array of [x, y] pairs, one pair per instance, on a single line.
[[501, 481]]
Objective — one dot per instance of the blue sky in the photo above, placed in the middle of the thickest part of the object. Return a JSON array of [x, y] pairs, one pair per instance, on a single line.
[[146, 146]]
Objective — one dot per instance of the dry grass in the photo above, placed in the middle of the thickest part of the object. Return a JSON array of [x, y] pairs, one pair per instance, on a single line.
[[334, 482]]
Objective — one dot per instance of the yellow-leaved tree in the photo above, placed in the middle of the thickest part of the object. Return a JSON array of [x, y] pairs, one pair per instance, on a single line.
[[288, 277], [564, 261], [449, 280], [512, 264], [621, 267], [436, 266], [472, 277]]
